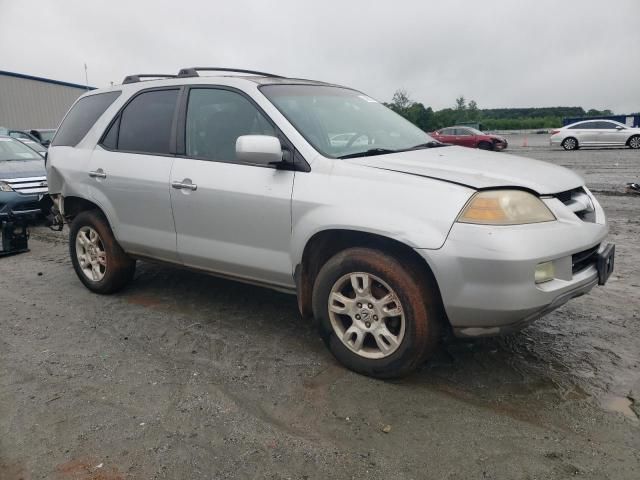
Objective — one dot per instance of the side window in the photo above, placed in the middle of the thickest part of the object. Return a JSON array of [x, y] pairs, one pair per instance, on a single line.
[[145, 123], [584, 126], [607, 125], [81, 118], [215, 120], [447, 131]]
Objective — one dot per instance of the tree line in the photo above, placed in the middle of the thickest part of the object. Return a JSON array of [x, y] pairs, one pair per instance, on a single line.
[[490, 119]]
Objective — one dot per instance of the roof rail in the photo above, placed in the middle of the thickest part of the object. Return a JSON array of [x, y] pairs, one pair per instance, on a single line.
[[193, 71], [138, 77]]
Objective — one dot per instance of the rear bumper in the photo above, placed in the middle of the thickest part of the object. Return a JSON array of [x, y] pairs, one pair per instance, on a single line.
[[486, 274]]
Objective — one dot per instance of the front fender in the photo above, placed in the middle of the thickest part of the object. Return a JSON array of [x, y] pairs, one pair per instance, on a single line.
[[416, 211]]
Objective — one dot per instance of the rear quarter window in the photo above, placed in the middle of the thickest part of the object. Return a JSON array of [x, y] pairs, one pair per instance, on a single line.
[[81, 118]]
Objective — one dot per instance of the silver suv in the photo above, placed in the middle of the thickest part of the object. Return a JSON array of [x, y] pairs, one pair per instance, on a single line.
[[388, 238]]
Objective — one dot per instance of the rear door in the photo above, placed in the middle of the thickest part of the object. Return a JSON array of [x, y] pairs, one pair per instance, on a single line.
[[231, 217], [129, 174], [447, 135], [584, 132]]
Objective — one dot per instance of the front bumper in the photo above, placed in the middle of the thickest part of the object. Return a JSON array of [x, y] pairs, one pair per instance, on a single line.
[[16, 205], [486, 273]]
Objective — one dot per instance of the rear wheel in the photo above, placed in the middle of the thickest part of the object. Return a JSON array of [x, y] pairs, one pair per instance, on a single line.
[[485, 146], [376, 315], [634, 142], [570, 143], [97, 258]]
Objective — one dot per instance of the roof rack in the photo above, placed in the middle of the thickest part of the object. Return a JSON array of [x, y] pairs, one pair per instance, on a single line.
[[138, 77], [193, 71]]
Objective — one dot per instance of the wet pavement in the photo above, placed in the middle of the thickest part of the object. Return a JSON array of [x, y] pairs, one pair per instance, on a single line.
[[183, 375]]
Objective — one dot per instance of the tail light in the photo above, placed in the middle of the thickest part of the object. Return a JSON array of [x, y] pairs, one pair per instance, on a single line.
[[553, 132]]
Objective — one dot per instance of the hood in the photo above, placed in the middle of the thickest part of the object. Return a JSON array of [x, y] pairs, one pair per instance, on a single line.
[[477, 169], [22, 169]]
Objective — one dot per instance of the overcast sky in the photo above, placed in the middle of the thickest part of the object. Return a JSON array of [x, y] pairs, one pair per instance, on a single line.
[[500, 53]]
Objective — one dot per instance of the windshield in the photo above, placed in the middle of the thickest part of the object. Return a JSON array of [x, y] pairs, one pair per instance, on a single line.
[[33, 145], [341, 122], [11, 149]]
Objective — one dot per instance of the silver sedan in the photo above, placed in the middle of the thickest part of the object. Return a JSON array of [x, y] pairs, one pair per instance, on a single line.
[[595, 133]]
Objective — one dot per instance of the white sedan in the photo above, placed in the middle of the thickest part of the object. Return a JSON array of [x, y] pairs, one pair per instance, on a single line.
[[595, 133]]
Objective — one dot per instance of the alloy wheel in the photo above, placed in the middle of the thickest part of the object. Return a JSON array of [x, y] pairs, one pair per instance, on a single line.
[[91, 254], [366, 315]]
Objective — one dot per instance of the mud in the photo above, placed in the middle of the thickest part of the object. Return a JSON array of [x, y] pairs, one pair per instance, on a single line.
[[188, 376]]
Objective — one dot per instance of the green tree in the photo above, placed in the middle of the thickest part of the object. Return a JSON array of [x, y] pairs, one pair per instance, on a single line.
[[461, 103]]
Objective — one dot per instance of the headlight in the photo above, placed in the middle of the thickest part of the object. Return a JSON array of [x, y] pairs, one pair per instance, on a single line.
[[5, 187], [505, 207]]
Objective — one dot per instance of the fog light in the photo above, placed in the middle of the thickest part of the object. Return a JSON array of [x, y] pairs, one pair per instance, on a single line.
[[545, 272]]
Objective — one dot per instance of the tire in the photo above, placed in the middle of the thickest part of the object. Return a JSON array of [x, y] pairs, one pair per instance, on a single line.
[[99, 261], [485, 146], [570, 143], [409, 317], [634, 142]]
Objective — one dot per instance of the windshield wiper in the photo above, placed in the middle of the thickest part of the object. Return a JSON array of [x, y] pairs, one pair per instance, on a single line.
[[431, 144], [369, 153]]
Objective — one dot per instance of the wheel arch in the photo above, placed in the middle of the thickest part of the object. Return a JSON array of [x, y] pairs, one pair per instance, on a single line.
[[628, 142], [326, 243], [73, 205]]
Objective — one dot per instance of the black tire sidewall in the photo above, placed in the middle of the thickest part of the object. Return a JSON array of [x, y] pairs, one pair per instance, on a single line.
[[415, 343], [120, 267]]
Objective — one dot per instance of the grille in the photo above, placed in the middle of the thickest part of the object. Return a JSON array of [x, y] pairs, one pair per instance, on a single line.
[[579, 202], [581, 260], [28, 185]]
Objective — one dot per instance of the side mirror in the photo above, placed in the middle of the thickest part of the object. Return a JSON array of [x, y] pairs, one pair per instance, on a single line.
[[260, 149], [619, 127]]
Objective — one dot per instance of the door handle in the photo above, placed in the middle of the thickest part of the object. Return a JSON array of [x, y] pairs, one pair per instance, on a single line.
[[98, 173], [186, 186]]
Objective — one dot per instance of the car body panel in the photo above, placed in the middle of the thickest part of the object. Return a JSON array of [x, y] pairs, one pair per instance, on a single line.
[[243, 225], [478, 169], [135, 195]]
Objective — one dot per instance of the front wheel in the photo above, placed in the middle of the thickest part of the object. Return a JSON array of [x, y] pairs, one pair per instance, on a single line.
[[634, 142], [99, 261], [570, 143], [485, 146], [377, 316]]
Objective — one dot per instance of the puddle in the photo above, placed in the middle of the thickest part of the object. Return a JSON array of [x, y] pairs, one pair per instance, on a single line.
[[621, 405]]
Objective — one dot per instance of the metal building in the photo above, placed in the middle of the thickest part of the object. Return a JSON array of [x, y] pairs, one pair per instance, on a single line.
[[32, 102]]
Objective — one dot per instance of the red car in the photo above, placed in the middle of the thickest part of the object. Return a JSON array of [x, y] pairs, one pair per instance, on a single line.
[[470, 137]]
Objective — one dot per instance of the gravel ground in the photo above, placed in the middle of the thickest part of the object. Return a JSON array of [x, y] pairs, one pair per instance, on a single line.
[[185, 376]]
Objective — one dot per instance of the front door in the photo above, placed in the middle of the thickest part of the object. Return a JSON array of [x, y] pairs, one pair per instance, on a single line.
[[129, 175], [613, 133], [231, 217]]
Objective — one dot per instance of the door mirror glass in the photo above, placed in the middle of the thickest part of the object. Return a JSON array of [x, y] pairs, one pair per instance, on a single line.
[[259, 149], [619, 127]]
